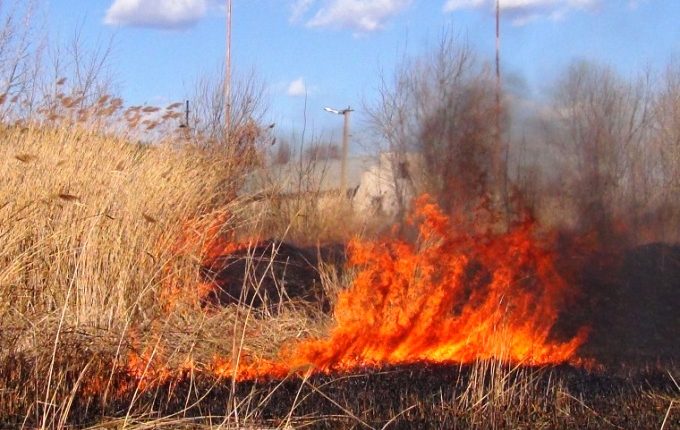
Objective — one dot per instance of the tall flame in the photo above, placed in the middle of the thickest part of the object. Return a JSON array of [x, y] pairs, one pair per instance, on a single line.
[[448, 297]]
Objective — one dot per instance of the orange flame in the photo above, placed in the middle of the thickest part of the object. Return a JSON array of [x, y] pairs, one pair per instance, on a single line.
[[451, 297], [200, 236]]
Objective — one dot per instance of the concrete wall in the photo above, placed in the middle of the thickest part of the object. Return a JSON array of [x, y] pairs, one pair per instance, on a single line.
[[389, 185]]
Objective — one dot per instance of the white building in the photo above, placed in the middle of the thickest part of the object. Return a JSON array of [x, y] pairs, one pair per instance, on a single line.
[[376, 185]]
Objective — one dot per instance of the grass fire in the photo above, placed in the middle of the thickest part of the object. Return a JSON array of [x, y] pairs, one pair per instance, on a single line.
[[490, 260], [446, 299]]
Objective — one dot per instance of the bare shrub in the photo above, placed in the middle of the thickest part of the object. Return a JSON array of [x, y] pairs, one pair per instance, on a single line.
[[664, 148], [601, 121], [20, 58], [443, 107], [77, 86], [208, 105]]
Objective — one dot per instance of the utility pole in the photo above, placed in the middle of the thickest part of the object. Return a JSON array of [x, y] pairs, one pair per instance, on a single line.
[[498, 59], [345, 144], [503, 151], [345, 149], [227, 76], [498, 84]]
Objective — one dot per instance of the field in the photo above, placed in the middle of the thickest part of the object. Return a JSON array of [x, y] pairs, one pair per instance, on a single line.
[[120, 306], [495, 244]]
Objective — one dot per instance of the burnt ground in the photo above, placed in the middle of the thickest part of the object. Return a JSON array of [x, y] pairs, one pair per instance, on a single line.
[[273, 271], [406, 397], [629, 298], [631, 301]]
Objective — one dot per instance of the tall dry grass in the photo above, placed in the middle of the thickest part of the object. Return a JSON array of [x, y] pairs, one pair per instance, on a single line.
[[83, 219], [86, 224], [93, 229], [89, 226]]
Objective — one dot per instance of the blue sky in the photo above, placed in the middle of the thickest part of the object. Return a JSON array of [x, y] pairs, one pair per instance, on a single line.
[[335, 49]]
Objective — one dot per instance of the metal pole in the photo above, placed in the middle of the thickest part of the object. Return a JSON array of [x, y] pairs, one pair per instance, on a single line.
[[186, 115], [227, 77], [501, 148], [498, 44], [498, 81], [345, 150]]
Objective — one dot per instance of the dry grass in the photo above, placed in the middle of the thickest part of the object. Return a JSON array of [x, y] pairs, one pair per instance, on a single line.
[[87, 223], [91, 225]]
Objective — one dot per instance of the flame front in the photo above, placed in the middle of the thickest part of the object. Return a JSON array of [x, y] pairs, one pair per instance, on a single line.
[[450, 297]]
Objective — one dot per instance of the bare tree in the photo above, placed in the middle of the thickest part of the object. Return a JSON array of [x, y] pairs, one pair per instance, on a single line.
[[602, 121], [248, 108], [21, 49], [442, 107], [78, 81], [664, 149]]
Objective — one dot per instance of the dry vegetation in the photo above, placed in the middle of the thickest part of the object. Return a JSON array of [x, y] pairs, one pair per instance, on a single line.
[[92, 231], [104, 237], [86, 221], [99, 236], [93, 249]]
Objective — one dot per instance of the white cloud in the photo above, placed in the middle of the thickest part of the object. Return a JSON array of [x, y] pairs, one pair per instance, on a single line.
[[297, 88], [452, 5], [522, 12], [299, 9], [359, 15], [156, 13]]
